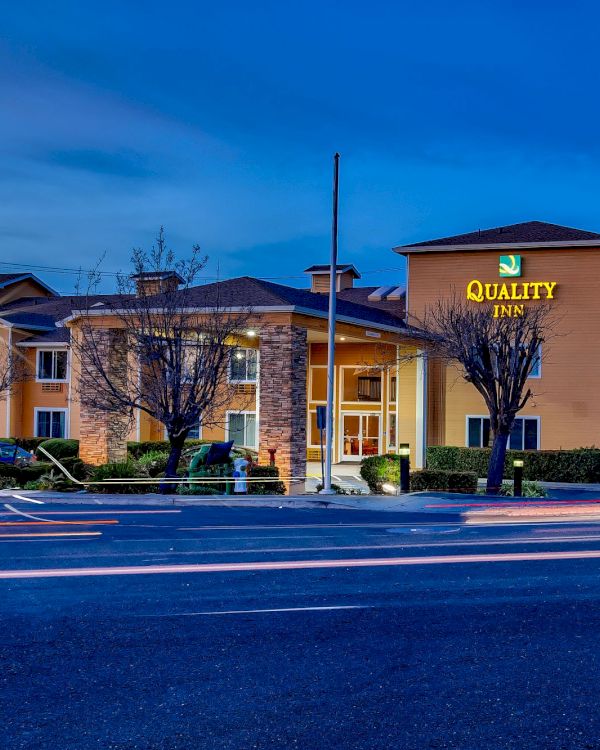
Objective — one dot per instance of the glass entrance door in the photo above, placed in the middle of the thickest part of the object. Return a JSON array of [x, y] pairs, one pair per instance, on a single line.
[[360, 436]]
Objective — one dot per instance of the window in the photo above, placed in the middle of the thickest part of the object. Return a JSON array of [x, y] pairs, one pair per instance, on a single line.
[[50, 423], [51, 364], [392, 430], [242, 366], [524, 435], [536, 370], [369, 389], [241, 428], [393, 388], [196, 432]]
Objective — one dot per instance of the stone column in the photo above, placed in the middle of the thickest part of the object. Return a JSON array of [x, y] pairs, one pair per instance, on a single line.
[[283, 361], [102, 434]]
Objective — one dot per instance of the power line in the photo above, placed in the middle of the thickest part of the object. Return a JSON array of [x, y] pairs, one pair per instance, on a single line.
[[82, 272]]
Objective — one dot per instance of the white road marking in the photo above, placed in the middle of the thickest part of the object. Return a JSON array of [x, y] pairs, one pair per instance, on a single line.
[[28, 499], [260, 611], [375, 562]]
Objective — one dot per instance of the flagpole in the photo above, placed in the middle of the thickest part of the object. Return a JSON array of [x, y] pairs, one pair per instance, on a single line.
[[331, 331]]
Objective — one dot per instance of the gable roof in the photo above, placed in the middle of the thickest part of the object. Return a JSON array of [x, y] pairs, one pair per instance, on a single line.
[[7, 279], [533, 233], [324, 268]]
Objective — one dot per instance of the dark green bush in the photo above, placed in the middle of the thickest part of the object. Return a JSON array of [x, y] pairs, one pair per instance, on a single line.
[[23, 475], [125, 470], [265, 488], [380, 470], [579, 465], [59, 448], [443, 481]]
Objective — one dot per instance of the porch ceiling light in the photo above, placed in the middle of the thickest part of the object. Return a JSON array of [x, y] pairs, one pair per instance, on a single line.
[[342, 338], [251, 333]]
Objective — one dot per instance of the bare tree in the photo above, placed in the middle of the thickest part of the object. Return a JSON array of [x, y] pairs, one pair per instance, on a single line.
[[14, 367], [496, 355], [176, 339]]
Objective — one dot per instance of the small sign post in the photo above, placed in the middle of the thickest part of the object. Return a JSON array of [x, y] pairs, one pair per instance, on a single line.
[[321, 424]]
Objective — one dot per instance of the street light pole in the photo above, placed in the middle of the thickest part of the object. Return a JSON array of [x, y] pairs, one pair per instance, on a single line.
[[331, 331]]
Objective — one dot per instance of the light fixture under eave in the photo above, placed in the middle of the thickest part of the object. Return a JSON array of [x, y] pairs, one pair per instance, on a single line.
[[251, 334], [342, 338]]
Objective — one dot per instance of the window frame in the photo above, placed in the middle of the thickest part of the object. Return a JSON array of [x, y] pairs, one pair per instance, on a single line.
[[50, 409], [245, 414], [239, 381], [525, 416], [53, 351]]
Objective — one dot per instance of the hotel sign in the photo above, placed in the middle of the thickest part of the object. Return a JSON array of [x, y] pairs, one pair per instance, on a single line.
[[505, 294]]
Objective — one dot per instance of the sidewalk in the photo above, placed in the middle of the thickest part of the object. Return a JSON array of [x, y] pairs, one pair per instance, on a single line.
[[573, 503]]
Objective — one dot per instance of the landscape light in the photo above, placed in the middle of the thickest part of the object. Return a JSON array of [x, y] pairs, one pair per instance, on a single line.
[[404, 450], [518, 463]]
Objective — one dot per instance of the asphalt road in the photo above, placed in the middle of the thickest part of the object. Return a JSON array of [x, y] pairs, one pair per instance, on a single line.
[[264, 628]]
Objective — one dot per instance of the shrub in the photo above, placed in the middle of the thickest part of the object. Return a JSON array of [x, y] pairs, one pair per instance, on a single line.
[[59, 448], [125, 470], [137, 450], [155, 462], [380, 470], [579, 465], [20, 476], [441, 480], [29, 443], [265, 488], [202, 488], [530, 489]]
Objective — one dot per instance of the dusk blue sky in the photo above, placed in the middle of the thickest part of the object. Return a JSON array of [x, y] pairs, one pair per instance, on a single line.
[[219, 120]]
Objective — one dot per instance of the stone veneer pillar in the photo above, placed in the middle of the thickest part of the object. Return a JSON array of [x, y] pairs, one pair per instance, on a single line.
[[282, 405], [103, 435]]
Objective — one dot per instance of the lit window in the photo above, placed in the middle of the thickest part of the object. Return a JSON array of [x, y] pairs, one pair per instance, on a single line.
[[242, 366], [524, 434], [241, 428], [51, 423], [52, 365]]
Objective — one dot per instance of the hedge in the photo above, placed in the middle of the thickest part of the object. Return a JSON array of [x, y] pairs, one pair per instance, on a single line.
[[265, 488], [24, 474], [444, 481], [59, 448], [136, 449], [125, 470], [579, 465]]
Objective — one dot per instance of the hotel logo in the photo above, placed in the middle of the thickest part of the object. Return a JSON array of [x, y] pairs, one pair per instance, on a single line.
[[510, 265]]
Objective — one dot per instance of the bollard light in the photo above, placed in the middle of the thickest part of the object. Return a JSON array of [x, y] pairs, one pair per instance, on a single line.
[[518, 464], [404, 453]]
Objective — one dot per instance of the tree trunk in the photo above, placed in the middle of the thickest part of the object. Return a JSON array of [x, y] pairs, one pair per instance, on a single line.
[[496, 465], [177, 445]]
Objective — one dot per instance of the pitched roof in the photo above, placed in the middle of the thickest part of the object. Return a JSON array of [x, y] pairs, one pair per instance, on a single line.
[[55, 336], [340, 268], [250, 292], [6, 279], [525, 233]]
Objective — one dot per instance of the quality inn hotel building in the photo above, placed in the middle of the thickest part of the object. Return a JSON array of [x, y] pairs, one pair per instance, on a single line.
[[387, 389]]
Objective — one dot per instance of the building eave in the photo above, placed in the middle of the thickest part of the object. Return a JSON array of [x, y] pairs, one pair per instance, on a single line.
[[413, 249]]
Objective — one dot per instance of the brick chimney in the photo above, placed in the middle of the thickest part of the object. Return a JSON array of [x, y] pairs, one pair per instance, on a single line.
[[319, 277], [155, 282]]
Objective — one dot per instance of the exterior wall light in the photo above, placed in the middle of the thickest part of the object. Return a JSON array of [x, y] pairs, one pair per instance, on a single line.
[[518, 464], [251, 334]]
